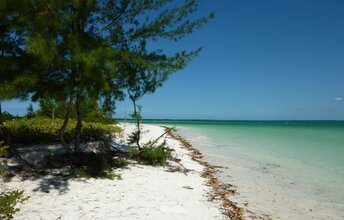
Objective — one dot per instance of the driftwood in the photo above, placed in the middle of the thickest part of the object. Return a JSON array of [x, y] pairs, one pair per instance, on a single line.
[[180, 168], [167, 130]]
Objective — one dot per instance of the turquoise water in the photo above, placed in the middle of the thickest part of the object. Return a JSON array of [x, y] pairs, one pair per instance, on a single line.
[[307, 153]]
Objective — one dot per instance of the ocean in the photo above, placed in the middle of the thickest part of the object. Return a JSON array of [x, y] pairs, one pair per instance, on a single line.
[[284, 169]]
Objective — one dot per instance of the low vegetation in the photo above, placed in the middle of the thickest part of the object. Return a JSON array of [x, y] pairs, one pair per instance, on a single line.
[[41, 130], [9, 199], [154, 155], [3, 171], [44, 130]]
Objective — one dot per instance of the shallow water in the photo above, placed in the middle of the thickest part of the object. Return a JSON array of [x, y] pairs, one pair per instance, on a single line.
[[286, 169]]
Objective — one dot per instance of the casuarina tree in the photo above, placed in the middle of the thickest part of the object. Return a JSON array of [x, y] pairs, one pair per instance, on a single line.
[[93, 50]]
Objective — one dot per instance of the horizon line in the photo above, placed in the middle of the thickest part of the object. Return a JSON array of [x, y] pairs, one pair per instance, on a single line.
[[195, 119]]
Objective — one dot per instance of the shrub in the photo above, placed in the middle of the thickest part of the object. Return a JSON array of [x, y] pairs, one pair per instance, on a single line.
[[43, 130], [3, 148], [133, 137], [151, 154], [93, 131], [9, 201], [134, 153]]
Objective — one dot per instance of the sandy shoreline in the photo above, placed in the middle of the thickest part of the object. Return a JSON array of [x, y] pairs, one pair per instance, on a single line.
[[143, 193]]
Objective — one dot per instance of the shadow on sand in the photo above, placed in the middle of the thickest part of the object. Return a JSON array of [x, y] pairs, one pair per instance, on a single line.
[[52, 168]]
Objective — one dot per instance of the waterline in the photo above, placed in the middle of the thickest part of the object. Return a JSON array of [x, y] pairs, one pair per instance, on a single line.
[[286, 169]]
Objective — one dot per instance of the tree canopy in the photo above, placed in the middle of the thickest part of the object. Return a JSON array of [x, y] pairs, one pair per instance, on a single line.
[[77, 52]]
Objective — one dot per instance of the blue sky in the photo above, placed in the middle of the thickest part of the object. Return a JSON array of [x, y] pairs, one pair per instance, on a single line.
[[278, 59]]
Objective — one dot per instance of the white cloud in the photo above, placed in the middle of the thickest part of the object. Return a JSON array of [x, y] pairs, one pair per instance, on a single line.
[[338, 99]]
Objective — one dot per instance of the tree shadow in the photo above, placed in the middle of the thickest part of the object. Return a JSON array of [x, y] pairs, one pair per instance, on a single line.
[[52, 182], [51, 169]]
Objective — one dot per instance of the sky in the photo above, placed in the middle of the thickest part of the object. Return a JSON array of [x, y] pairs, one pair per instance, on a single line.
[[262, 60]]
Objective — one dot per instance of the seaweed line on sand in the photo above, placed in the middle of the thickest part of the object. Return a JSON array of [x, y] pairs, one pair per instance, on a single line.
[[220, 191]]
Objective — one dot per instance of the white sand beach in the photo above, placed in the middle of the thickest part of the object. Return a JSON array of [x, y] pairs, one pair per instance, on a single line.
[[144, 192]]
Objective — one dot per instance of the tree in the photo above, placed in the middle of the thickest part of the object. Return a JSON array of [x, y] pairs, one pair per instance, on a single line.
[[48, 107], [141, 79], [82, 45], [68, 56], [143, 70], [30, 112]]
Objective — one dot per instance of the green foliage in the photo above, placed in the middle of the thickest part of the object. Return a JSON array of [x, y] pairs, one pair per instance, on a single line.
[[3, 148], [91, 111], [98, 166], [48, 107], [9, 201], [7, 116], [85, 52], [82, 173], [133, 137], [42, 130], [134, 153], [30, 112], [13, 59], [154, 155]]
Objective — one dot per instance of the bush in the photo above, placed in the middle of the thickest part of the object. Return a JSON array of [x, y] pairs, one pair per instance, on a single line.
[[3, 148], [152, 155], [43, 130], [8, 202], [92, 130]]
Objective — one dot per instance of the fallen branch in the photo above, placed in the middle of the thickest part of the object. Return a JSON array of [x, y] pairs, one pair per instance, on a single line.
[[167, 130]]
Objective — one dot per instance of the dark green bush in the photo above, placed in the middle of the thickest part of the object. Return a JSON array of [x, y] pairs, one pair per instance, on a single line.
[[152, 155], [43, 130], [8, 202]]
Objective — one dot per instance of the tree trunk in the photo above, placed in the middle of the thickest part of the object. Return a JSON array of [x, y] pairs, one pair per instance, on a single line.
[[67, 116], [137, 117], [79, 119], [77, 28]]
